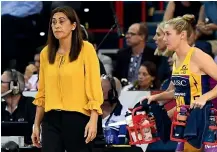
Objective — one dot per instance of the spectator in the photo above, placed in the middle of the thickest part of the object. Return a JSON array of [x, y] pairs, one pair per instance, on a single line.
[[30, 77], [164, 71], [147, 78], [19, 29], [203, 45], [113, 111], [151, 6], [129, 59], [32, 71], [207, 23], [158, 38], [16, 108], [180, 8]]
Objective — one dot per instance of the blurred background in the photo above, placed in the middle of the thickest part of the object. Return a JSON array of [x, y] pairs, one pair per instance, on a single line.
[[25, 24]]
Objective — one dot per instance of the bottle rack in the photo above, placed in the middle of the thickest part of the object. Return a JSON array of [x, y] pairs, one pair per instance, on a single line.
[[175, 123], [214, 128], [137, 130]]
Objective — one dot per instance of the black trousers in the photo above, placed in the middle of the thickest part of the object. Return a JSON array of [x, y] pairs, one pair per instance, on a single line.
[[62, 130]]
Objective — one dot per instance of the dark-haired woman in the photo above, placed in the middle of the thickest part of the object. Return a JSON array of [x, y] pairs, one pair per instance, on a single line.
[[70, 93], [147, 78]]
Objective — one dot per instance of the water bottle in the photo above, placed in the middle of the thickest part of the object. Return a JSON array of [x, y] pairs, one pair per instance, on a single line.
[[129, 119], [152, 120], [180, 147], [147, 131], [211, 134], [178, 129], [111, 135], [212, 119]]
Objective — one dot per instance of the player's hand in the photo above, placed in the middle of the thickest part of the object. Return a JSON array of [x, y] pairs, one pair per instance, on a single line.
[[149, 98], [199, 102]]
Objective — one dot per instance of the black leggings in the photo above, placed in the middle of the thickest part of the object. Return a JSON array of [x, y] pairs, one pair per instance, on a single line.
[[62, 130]]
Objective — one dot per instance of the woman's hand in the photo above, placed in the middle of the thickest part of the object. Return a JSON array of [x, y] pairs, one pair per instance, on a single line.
[[199, 102], [30, 69], [203, 28], [211, 27], [91, 127], [36, 136]]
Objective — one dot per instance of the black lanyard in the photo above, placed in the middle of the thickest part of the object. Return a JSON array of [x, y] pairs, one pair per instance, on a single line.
[[113, 111]]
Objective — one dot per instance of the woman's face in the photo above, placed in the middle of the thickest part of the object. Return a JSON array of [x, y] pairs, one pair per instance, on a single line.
[[61, 26], [144, 78], [171, 38], [158, 38], [4, 82]]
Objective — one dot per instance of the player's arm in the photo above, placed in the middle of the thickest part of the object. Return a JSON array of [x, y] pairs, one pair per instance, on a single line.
[[209, 67], [165, 96]]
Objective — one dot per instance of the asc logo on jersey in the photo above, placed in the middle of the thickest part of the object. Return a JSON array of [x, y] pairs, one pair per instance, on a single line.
[[179, 82]]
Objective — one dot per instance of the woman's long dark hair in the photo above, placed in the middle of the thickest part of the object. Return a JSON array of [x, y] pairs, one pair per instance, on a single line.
[[76, 41]]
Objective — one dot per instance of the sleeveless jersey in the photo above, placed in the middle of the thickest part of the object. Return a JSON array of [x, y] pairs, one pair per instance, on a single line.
[[188, 85]]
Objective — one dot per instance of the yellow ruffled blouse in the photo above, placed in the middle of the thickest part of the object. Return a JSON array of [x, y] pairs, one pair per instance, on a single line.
[[70, 86]]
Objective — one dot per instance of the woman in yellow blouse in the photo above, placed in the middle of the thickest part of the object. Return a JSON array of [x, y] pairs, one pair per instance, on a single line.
[[69, 94]]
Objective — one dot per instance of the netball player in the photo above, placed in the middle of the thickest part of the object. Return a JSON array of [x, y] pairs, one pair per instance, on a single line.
[[191, 69]]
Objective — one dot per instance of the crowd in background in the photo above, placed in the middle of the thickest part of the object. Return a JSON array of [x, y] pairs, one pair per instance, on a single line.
[[23, 25], [139, 66]]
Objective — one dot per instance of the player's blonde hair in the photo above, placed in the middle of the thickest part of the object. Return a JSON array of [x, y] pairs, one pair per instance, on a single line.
[[183, 23]]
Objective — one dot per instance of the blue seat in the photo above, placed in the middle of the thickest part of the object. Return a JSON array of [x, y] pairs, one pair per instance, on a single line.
[[158, 16], [151, 45], [152, 26], [205, 47]]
